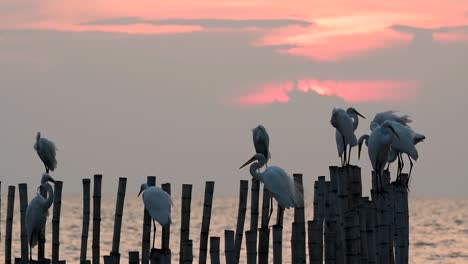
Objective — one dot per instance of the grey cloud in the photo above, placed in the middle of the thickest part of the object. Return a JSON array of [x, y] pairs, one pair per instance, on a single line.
[[207, 23], [425, 34]]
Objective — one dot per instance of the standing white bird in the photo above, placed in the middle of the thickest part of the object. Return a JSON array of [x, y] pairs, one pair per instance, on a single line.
[[37, 212], [46, 150], [261, 142], [391, 115], [345, 123], [277, 182], [158, 204]]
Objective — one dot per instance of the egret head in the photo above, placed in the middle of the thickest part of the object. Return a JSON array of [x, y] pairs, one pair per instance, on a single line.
[[143, 188], [259, 157], [46, 178], [353, 111]]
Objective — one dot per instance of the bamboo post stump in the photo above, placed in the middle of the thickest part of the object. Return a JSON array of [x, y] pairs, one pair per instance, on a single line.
[[188, 252], [56, 221], [229, 246], [146, 235], [96, 219], [114, 254], [185, 221], [243, 191], [205, 226], [298, 245], [401, 221], [214, 250], [251, 246], [9, 223], [133, 257], [264, 231], [86, 212], [166, 254], [254, 212], [23, 194]]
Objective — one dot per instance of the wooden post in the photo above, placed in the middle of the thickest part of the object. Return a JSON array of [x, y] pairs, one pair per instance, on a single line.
[[188, 251], [42, 239], [214, 250], [264, 232], [115, 255], [166, 232], [56, 221], [298, 247], [277, 244], [9, 223], [338, 216], [401, 220], [205, 226], [363, 211], [254, 212], [315, 241], [23, 194], [229, 246], [383, 228], [352, 229], [243, 191], [133, 257], [146, 235], [96, 219], [86, 212], [251, 246], [185, 221]]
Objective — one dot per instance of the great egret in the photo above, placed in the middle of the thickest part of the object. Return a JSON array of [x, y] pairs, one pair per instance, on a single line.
[[37, 212], [277, 182], [261, 142], [379, 143], [46, 150], [158, 204], [345, 123], [391, 115]]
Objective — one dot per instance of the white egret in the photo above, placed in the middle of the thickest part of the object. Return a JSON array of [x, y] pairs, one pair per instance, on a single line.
[[158, 204], [37, 212], [261, 142], [46, 150], [391, 115], [277, 182], [345, 123]]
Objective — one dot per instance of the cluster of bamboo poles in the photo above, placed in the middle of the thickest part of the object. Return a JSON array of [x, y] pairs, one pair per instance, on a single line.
[[347, 228]]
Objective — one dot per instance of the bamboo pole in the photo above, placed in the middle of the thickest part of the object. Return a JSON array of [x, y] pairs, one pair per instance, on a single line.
[[254, 212], [23, 194], [251, 246], [86, 212], [315, 241], [133, 257], [277, 244], [371, 232], [298, 231], [205, 226], [352, 228], [338, 216], [166, 233], [56, 221], [96, 219], [363, 211], [185, 221], [119, 206], [243, 191], [42, 239], [229, 246], [188, 251], [9, 223], [146, 235], [401, 221], [264, 232], [214, 250], [382, 229]]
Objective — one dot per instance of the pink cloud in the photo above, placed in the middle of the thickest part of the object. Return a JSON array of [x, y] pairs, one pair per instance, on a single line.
[[350, 91]]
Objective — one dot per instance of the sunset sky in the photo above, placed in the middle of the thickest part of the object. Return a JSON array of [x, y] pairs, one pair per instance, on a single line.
[[173, 88]]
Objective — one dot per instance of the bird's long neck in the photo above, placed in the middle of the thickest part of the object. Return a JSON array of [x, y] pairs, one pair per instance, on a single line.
[[355, 121], [50, 195], [254, 169]]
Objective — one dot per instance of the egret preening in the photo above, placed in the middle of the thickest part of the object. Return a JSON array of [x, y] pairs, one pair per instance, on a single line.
[[391, 115], [277, 182], [158, 204], [37, 212], [46, 150], [345, 123], [261, 142]]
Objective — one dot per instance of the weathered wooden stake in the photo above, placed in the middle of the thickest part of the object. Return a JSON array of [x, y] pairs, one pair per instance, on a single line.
[[188, 251], [147, 224], [243, 191], [363, 211], [23, 194], [251, 246], [371, 219], [214, 250], [119, 206], [205, 226], [9, 223], [56, 221], [401, 221], [86, 212], [264, 232], [166, 233], [277, 244], [133, 257], [229, 246], [185, 221], [337, 197], [254, 212], [96, 219], [298, 247]]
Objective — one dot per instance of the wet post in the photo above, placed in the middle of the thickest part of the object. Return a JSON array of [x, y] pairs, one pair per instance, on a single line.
[[264, 232], [114, 254], [86, 212], [9, 223], [96, 219], [146, 235], [185, 220], [243, 191], [229, 246], [214, 250], [56, 221], [23, 194], [166, 233], [205, 226]]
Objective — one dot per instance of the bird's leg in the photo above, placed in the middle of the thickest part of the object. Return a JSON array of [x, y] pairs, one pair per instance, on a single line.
[[410, 170], [349, 155], [402, 163], [154, 232], [271, 209], [345, 148], [279, 221]]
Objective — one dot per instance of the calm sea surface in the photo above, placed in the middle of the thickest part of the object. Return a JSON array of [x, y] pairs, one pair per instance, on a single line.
[[438, 231]]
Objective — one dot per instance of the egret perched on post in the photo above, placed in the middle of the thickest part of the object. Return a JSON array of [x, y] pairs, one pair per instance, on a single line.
[[37, 212], [158, 204], [345, 123], [46, 150], [261, 142], [277, 182], [391, 115]]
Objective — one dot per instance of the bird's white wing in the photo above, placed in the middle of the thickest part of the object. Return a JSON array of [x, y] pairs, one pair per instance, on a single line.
[[391, 115], [282, 187], [261, 141], [339, 143], [345, 127], [47, 151], [405, 141], [35, 219], [158, 203]]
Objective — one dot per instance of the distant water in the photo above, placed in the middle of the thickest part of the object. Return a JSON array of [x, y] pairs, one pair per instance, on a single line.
[[438, 232]]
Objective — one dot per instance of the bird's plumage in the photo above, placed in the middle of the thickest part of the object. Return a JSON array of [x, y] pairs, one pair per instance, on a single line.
[[405, 143], [379, 144], [46, 150], [344, 125], [261, 141], [391, 115], [158, 204]]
